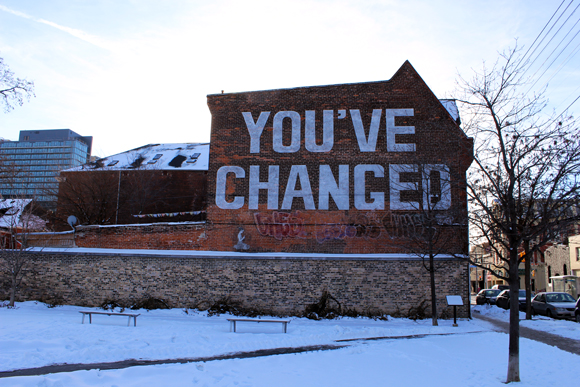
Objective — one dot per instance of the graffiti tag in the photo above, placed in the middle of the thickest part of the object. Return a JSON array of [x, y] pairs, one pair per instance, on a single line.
[[280, 225]]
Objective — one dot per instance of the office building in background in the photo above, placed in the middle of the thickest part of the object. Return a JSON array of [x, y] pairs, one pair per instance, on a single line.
[[29, 167]]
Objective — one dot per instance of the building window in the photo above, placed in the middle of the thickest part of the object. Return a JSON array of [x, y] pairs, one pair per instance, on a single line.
[[549, 274], [578, 253], [565, 269]]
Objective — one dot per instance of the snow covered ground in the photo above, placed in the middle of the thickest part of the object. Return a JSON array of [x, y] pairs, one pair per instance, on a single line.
[[33, 335]]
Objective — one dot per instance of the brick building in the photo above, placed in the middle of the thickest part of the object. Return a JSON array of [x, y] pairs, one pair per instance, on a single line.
[[336, 169], [150, 184], [310, 191]]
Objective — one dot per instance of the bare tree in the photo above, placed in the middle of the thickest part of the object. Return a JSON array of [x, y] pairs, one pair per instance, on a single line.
[[17, 220], [523, 183], [90, 196], [13, 91]]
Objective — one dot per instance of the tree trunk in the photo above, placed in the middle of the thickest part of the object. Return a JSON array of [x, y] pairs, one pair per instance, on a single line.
[[528, 276], [12, 293], [433, 292], [513, 374]]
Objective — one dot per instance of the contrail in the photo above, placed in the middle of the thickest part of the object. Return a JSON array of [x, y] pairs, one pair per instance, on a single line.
[[71, 31]]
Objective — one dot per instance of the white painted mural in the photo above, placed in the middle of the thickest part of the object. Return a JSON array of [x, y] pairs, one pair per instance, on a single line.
[[348, 181]]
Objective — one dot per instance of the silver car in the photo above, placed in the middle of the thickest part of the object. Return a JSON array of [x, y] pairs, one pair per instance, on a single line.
[[554, 304]]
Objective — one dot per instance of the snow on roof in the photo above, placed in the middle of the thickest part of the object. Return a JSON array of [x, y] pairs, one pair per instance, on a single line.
[[13, 216], [10, 212], [451, 107], [185, 156]]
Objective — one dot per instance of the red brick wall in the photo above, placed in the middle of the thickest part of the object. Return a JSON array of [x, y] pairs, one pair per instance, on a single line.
[[93, 197], [159, 236], [306, 228]]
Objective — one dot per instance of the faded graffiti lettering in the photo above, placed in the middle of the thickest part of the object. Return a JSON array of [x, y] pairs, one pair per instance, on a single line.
[[362, 227], [280, 224], [331, 231], [403, 225]]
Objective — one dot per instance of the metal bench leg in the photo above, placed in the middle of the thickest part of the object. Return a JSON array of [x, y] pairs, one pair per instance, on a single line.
[[83, 319], [129, 321]]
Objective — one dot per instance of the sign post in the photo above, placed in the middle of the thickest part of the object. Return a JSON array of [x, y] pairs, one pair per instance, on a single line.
[[454, 301]]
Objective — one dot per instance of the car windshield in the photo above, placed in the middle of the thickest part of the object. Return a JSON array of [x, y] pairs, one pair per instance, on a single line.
[[493, 293], [522, 294], [559, 297]]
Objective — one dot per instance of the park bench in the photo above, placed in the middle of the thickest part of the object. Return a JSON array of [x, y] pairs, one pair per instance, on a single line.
[[233, 322], [130, 315]]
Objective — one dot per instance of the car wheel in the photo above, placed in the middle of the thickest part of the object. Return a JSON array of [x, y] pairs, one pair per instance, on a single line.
[[534, 312], [549, 313], [578, 317]]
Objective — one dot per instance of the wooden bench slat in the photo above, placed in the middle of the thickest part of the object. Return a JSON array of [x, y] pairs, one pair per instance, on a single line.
[[233, 322], [130, 315], [257, 320], [112, 313]]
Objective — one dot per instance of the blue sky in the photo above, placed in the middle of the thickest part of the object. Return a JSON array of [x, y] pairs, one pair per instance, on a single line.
[[135, 72]]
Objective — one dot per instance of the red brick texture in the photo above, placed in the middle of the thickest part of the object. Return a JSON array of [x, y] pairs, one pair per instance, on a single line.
[[302, 228], [154, 236]]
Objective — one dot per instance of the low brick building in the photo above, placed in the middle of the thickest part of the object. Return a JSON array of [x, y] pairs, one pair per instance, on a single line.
[[150, 184]]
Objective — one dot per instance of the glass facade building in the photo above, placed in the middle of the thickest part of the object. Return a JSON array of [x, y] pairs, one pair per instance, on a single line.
[[30, 166]]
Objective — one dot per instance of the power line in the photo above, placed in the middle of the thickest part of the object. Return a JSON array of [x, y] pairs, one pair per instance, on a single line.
[[557, 56], [540, 34], [568, 58], [568, 107], [536, 55], [528, 66]]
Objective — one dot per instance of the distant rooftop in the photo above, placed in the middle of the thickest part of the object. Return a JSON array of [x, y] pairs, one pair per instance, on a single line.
[[13, 216], [451, 107], [185, 156], [54, 135]]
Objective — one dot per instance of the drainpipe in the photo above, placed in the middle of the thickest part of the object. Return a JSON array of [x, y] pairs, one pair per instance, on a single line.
[[118, 193]]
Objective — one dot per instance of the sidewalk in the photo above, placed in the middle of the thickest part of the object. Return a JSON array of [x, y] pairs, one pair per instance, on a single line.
[[56, 368], [563, 343], [52, 369]]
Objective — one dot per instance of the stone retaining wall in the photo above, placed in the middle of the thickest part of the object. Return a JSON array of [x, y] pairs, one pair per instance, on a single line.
[[282, 286]]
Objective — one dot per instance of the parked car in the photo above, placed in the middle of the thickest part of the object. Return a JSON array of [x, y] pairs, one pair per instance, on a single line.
[[577, 311], [503, 299], [554, 304], [501, 287], [487, 296]]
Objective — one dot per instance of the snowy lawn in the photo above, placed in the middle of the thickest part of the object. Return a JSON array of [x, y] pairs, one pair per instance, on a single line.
[[33, 335]]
